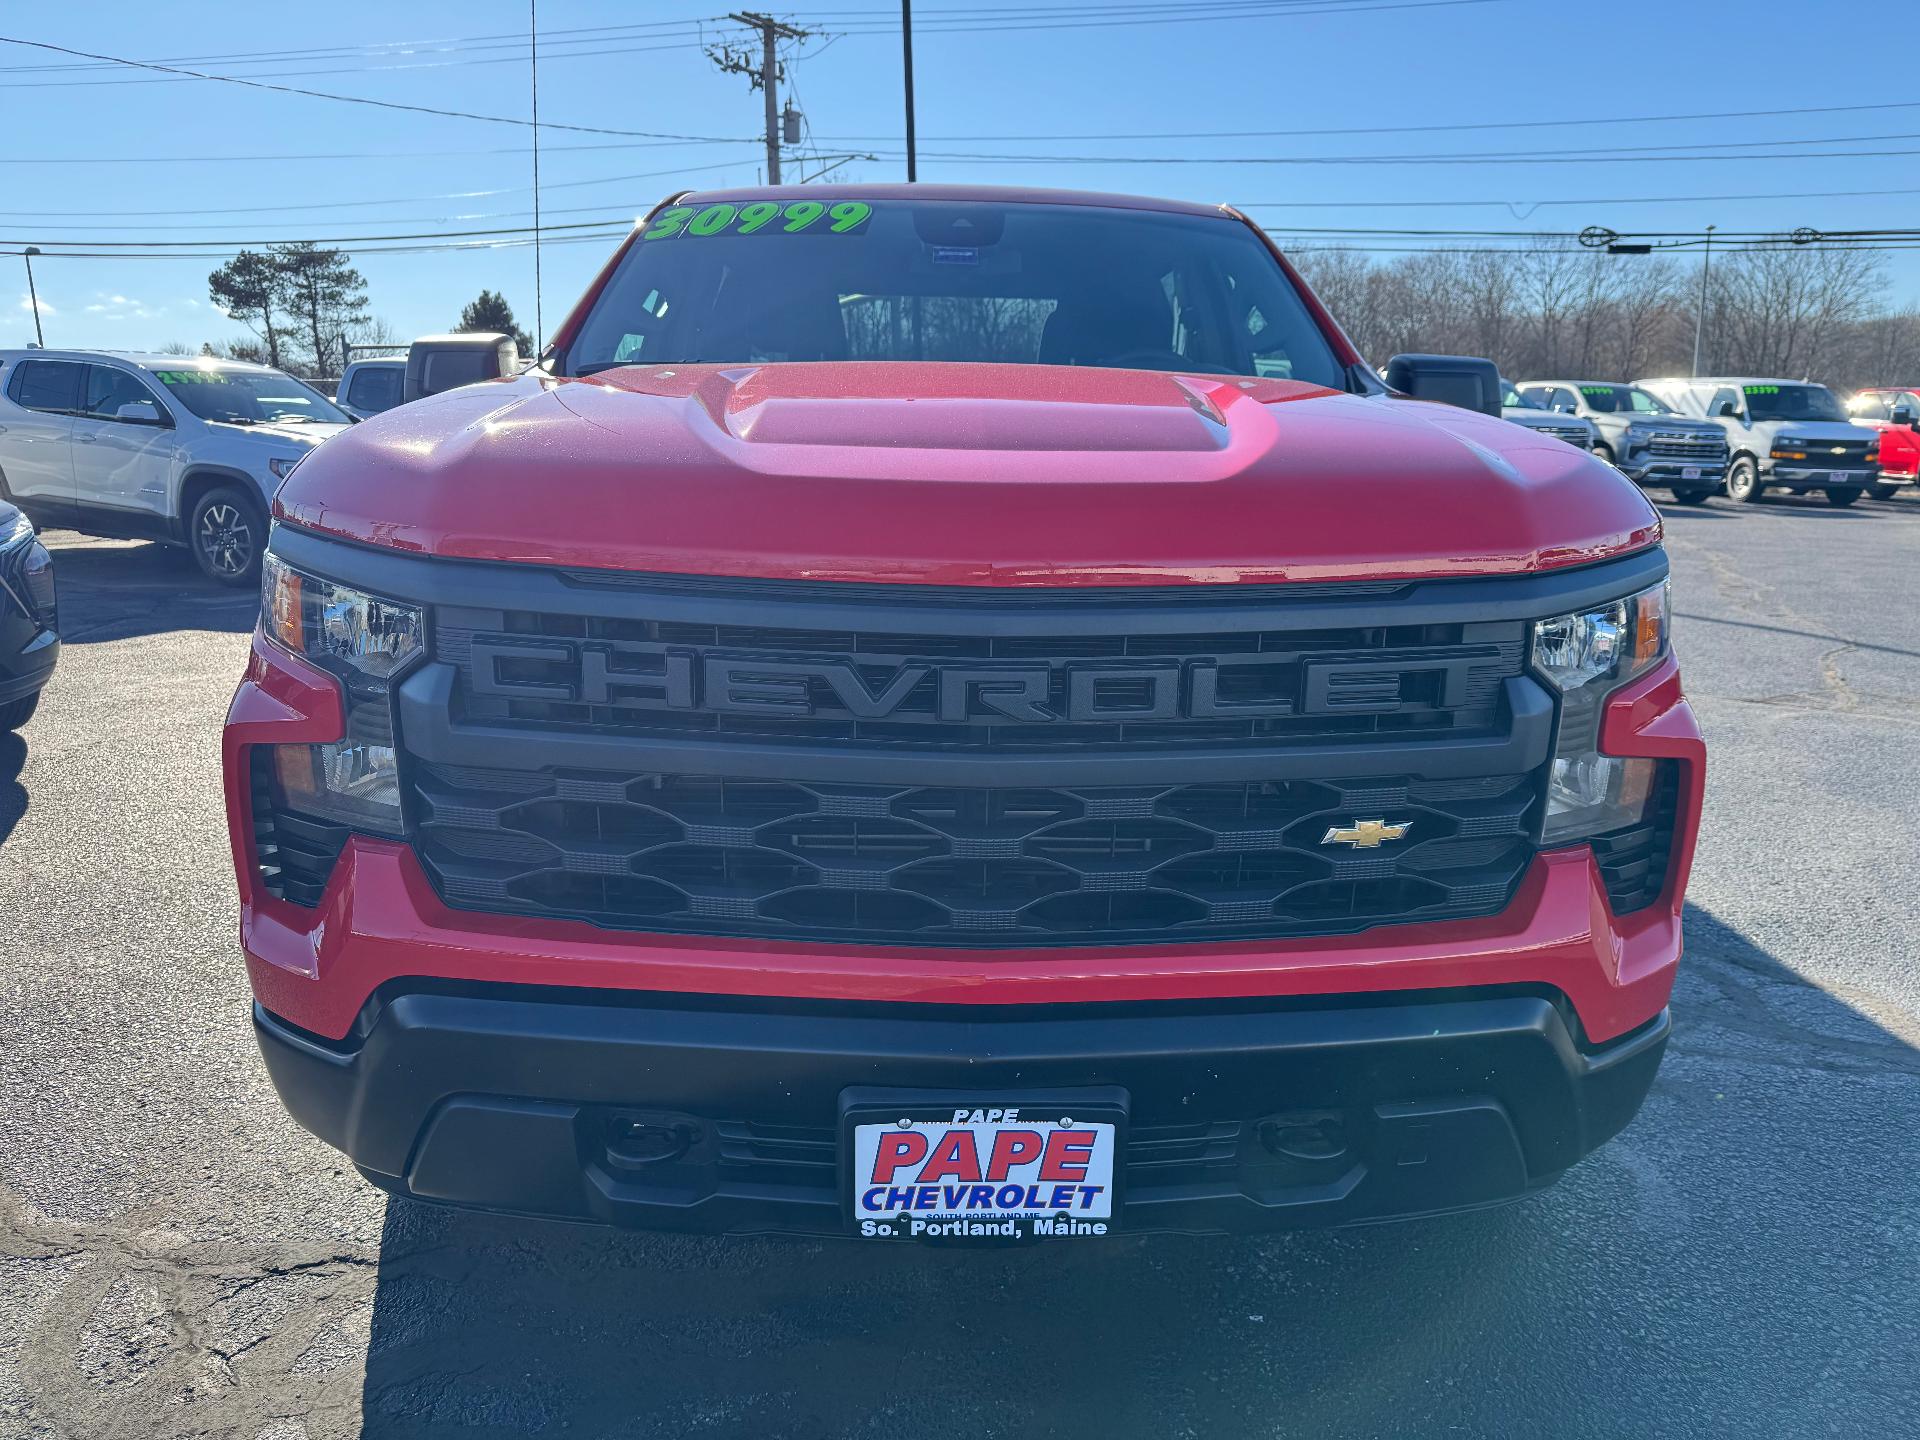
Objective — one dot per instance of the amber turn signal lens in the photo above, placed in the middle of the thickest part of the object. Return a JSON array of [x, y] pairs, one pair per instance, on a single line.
[[1649, 627], [280, 604]]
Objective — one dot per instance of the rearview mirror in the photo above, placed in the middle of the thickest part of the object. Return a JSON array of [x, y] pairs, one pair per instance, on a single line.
[[1463, 380]]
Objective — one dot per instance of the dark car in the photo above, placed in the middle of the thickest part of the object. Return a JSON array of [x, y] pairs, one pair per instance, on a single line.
[[28, 644]]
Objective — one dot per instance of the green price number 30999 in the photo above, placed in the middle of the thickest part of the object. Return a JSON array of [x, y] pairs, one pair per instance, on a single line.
[[793, 218]]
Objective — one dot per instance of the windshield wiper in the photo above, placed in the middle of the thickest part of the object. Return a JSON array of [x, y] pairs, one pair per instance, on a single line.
[[597, 366]]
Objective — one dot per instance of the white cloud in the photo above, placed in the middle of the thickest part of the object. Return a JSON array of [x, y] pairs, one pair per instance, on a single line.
[[26, 305], [114, 307]]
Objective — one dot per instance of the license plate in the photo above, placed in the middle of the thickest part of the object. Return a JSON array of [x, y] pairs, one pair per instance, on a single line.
[[982, 1171], [1838, 477], [1689, 472]]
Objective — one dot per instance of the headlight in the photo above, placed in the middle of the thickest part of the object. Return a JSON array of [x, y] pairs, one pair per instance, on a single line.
[[282, 466], [1586, 657], [366, 643], [29, 578]]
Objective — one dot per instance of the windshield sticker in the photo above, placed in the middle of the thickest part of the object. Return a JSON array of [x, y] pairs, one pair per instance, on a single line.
[[759, 217], [1601, 390], [1761, 389], [191, 377]]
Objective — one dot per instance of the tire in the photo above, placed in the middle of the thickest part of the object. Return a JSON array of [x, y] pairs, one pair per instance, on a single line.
[[1688, 495], [1743, 481], [16, 713], [227, 534], [1883, 492], [1840, 497]]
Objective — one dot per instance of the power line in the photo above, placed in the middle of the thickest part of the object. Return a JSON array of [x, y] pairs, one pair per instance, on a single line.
[[344, 99], [1532, 205], [1588, 123], [586, 34], [17, 216], [958, 156], [587, 54], [1408, 129], [959, 23]]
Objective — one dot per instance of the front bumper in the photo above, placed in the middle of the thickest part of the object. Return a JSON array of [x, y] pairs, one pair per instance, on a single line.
[[28, 654], [1813, 477], [380, 921], [1240, 1117], [1673, 472]]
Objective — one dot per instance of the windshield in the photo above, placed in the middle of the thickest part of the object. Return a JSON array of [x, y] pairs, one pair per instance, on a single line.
[[1622, 400], [1023, 284], [1792, 402], [1512, 399], [249, 397]]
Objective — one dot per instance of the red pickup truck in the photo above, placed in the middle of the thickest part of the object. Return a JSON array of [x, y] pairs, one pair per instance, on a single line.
[[1893, 410], [945, 712]]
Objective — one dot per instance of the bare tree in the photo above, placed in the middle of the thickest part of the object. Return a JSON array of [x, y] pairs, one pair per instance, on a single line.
[[1565, 311]]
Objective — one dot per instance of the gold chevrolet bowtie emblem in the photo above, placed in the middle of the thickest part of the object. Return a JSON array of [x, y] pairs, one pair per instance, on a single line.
[[1365, 834]]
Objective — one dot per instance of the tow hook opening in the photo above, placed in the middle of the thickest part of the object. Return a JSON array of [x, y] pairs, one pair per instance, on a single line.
[[638, 1138]]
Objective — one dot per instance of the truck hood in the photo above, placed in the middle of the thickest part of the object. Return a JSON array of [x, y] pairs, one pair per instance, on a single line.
[[1544, 419], [1834, 430], [993, 475], [1664, 422], [300, 433]]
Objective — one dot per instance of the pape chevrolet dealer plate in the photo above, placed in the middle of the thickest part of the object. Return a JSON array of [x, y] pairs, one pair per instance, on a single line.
[[983, 1169]]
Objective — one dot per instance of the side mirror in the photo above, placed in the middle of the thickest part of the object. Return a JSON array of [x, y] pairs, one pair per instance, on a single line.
[[1463, 380], [1903, 416], [1728, 410], [143, 411]]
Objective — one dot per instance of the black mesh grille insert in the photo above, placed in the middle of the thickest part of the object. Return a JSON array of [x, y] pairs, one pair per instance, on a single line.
[[1633, 862], [910, 864], [295, 852]]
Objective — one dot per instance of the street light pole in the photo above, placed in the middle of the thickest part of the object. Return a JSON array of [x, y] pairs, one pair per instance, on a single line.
[[34, 295], [1700, 313], [906, 60]]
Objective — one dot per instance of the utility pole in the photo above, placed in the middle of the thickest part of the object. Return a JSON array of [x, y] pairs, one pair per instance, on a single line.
[[763, 74], [906, 61], [1700, 314], [34, 295], [533, 52]]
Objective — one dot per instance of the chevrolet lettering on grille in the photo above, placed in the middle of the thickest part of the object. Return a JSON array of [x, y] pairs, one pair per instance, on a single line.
[[978, 692]]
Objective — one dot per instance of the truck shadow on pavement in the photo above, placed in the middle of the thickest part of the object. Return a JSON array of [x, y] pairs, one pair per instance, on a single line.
[[1741, 1257], [13, 795]]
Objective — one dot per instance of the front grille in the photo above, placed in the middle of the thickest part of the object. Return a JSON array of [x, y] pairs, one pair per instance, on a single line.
[[898, 689], [907, 864], [1633, 862], [1576, 435], [1826, 454], [295, 853], [1687, 445]]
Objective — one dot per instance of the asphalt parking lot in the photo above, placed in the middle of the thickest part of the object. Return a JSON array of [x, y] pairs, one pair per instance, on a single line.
[[176, 1259]]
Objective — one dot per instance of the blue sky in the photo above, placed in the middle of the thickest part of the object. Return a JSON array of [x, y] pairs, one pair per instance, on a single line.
[[94, 158]]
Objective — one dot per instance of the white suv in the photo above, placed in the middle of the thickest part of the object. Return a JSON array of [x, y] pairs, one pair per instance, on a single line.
[[188, 450]]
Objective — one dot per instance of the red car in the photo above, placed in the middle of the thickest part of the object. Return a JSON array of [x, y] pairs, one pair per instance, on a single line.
[[949, 712], [1893, 410]]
